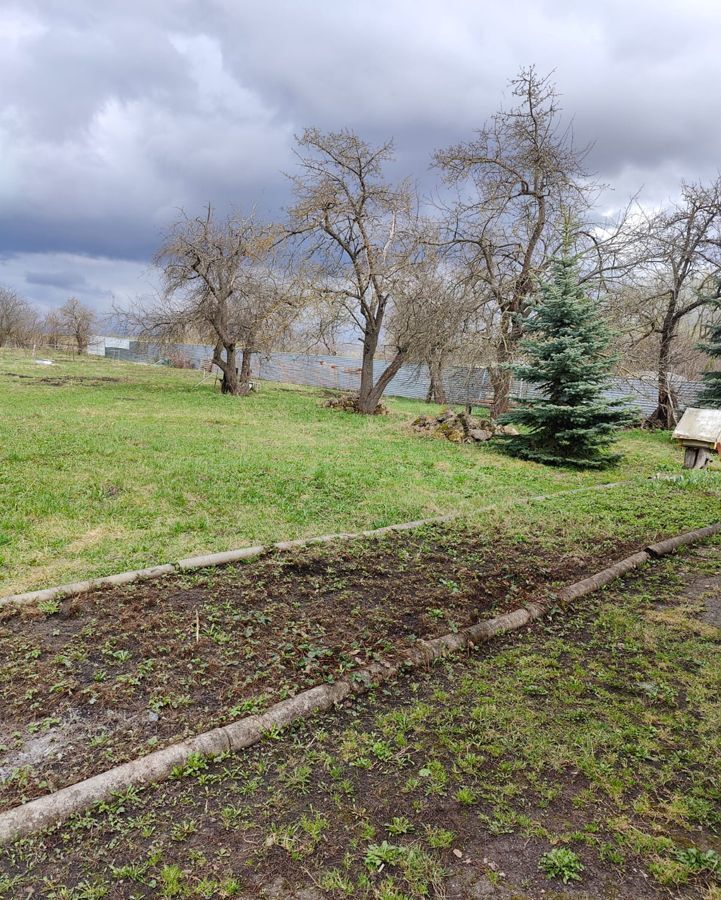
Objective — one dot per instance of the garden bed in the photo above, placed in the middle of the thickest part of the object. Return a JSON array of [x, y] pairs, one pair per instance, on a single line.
[[95, 680]]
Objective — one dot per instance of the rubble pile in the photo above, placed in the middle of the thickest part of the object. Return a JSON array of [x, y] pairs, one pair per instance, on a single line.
[[349, 403], [460, 428]]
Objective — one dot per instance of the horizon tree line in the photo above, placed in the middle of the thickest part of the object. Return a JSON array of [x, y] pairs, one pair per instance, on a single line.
[[23, 325]]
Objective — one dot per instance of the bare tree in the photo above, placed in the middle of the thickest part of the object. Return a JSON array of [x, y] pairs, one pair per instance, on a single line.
[[224, 281], [17, 318], [435, 309], [77, 321], [518, 182], [678, 277], [359, 230], [51, 329], [30, 333]]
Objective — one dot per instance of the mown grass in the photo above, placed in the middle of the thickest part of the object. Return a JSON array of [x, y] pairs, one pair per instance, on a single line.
[[108, 466], [586, 749]]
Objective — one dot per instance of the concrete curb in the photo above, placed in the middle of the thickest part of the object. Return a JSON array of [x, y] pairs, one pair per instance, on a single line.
[[668, 546], [53, 808]]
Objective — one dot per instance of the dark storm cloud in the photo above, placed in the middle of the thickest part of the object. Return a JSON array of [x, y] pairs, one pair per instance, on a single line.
[[114, 115]]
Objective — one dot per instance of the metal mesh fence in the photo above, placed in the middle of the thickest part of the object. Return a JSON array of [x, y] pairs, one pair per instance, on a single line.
[[463, 385]]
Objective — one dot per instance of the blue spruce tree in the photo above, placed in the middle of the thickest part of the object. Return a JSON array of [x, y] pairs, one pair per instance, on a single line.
[[710, 395], [569, 422]]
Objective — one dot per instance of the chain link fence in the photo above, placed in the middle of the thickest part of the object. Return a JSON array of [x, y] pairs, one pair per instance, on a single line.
[[463, 385]]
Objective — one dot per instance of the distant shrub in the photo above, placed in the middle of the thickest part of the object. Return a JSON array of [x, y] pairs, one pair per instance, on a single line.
[[179, 360]]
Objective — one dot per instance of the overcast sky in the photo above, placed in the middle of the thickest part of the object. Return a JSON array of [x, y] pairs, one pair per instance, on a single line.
[[116, 113]]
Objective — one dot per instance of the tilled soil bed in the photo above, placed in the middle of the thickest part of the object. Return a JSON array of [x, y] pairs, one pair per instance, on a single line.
[[99, 679]]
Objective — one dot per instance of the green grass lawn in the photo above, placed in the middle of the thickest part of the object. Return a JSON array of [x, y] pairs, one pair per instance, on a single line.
[[108, 466]]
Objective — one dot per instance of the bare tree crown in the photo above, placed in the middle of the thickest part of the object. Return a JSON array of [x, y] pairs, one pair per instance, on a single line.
[[77, 321], [359, 230], [225, 280], [517, 183], [17, 317]]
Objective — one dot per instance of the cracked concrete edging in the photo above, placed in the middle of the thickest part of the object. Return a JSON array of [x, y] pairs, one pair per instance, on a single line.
[[74, 589], [53, 808]]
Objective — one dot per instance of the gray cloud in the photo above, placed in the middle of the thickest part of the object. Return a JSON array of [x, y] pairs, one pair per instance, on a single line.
[[114, 115], [48, 279], [67, 281]]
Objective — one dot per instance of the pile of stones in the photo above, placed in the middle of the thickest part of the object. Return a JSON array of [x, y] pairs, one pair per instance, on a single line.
[[349, 403], [460, 428]]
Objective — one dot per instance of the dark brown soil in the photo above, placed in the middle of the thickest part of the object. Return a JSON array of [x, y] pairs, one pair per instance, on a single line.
[[61, 380], [706, 588], [117, 673], [89, 381]]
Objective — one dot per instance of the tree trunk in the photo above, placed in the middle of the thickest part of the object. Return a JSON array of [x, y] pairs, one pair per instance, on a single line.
[[500, 374], [664, 416], [370, 393], [436, 388], [501, 379], [385, 379], [366, 402], [244, 385], [229, 384]]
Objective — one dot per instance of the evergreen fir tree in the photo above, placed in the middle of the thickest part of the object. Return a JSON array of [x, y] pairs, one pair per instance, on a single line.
[[569, 422], [710, 395]]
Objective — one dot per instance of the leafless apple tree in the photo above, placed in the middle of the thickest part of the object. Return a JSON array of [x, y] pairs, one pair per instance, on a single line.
[[18, 319], [436, 309], [225, 280], [77, 321], [517, 183], [359, 232], [677, 276]]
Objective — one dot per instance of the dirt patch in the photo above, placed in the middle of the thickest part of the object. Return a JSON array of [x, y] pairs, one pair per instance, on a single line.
[[36, 749], [706, 589], [63, 380], [137, 668], [86, 380]]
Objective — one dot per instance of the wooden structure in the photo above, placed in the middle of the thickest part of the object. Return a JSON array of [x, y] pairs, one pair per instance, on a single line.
[[699, 432]]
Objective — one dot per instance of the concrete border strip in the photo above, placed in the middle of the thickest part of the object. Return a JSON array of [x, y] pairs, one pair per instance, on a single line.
[[662, 548], [52, 808]]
